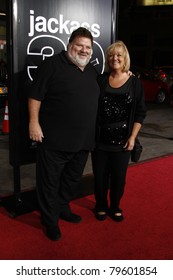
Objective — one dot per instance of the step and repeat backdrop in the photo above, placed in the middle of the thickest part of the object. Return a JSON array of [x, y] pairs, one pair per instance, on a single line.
[[37, 30]]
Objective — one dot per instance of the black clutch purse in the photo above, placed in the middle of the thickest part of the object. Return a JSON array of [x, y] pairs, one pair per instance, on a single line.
[[136, 152]]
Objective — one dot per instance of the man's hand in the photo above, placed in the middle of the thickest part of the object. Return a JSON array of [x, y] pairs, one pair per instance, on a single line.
[[35, 132]]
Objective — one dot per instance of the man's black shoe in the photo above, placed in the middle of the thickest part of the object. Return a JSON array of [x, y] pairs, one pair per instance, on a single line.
[[70, 217], [53, 233]]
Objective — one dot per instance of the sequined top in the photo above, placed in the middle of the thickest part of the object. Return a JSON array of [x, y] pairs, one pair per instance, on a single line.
[[114, 116]]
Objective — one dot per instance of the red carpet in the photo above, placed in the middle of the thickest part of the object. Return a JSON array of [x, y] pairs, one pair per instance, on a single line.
[[146, 232]]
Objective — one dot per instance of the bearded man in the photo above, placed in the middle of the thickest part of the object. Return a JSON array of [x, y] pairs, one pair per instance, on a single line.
[[62, 106]]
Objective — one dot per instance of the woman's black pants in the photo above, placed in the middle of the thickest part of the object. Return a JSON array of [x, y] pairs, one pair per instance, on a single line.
[[109, 170]]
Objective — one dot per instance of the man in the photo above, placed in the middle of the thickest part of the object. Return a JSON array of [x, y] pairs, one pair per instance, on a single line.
[[62, 113]]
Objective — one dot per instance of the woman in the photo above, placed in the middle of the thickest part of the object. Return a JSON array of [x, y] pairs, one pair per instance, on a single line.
[[120, 116]]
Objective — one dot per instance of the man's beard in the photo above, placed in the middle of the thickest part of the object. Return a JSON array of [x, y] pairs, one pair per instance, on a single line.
[[78, 61]]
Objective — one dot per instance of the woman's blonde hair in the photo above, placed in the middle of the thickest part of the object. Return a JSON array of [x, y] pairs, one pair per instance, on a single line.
[[117, 45]]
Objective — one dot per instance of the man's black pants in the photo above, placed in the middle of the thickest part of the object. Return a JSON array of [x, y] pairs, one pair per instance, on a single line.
[[58, 176]]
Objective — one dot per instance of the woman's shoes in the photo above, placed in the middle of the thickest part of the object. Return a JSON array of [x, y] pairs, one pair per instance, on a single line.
[[117, 216], [101, 215]]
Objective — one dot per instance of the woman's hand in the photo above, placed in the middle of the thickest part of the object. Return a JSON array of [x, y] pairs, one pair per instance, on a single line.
[[129, 144]]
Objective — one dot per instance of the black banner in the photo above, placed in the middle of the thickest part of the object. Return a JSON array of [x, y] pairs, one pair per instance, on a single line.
[[38, 29]]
